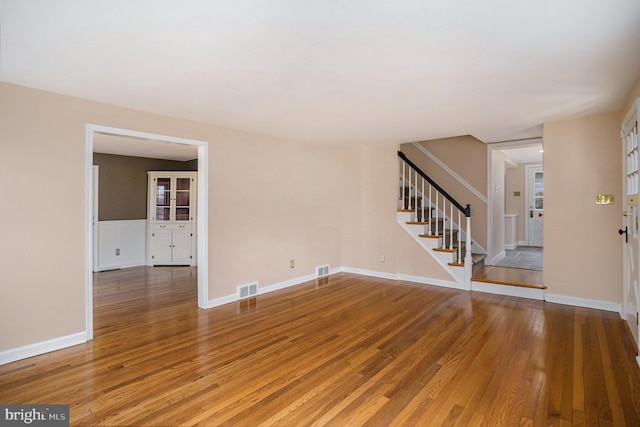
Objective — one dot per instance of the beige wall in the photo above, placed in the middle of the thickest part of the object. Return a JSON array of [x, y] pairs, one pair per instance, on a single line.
[[270, 201], [498, 173], [583, 251], [516, 182], [286, 208]]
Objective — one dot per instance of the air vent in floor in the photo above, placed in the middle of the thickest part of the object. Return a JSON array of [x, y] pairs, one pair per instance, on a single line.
[[323, 271], [247, 291]]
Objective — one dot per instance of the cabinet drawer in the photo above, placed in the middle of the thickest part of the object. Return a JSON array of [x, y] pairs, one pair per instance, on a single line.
[[171, 226]]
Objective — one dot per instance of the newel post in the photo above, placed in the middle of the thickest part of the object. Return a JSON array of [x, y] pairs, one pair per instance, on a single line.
[[468, 260]]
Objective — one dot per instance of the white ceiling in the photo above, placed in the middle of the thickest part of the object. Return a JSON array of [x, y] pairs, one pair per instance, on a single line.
[[331, 71], [527, 154]]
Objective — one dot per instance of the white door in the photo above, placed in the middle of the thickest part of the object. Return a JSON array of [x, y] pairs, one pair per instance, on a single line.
[[535, 205], [630, 219]]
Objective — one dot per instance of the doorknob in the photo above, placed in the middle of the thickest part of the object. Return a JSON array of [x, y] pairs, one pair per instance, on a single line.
[[626, 234], [539, 214]]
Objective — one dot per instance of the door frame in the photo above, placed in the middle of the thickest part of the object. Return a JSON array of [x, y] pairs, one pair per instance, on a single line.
[[202, 209], [527, 169], [95, 180], [629, 220], [499, 146]]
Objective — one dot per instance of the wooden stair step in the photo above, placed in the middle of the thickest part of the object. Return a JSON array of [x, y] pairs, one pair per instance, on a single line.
[[475, 259], [520, 277]]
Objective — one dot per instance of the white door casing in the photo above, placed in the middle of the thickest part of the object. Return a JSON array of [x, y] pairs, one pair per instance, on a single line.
[[630, 222], [535, 205], [202, 226]]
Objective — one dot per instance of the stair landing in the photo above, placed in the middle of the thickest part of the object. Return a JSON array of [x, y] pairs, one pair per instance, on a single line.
[[521, 277]]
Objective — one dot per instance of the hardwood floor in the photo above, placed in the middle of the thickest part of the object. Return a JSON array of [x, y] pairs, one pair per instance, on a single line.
[[511, 276], [344, 350]]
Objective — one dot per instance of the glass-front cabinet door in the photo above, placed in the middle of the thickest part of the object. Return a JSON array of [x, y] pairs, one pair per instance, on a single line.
[[172, 197], [163, 199], [183, 199]]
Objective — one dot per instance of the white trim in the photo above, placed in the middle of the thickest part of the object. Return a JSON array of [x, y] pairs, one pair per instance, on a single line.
[[89, 235], [370, 273], [429, 281], [271, 288], [404, 277], [498, 257], [512, 291], [38, 348], [286, 284], [202, 224], [512, 246], [582, 302], [95, 178], [450, 172]]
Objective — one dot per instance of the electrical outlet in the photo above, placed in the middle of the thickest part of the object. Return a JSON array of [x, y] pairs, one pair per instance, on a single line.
[[117, 251], [293, 264], [381, 258]]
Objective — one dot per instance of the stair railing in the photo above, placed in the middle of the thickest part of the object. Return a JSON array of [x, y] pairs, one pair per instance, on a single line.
[[414, 186]]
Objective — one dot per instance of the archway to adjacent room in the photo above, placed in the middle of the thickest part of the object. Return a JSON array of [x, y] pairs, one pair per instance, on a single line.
[[202, 198]]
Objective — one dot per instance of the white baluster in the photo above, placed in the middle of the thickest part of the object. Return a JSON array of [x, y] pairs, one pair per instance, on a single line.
[[459, 238], [409, 195], [430, 199], [416, 192], [444, 222], [451, 226], [468, 262], [402, 187], [422, 204], [436, 233]]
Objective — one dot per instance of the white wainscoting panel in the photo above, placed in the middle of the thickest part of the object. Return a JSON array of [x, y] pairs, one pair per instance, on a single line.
[[130, 236]]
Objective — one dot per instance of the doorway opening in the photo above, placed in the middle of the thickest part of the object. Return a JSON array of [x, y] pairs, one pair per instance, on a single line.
[[145, 140], [511, 243]]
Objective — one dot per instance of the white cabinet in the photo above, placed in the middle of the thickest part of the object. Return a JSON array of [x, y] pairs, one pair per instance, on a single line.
[[171, 233]]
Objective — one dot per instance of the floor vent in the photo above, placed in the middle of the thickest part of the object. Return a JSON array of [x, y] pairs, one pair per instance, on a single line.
[[323, 271], [247, 291]]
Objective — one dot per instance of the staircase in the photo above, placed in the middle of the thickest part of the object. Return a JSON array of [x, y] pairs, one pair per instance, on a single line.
[[438, 223]]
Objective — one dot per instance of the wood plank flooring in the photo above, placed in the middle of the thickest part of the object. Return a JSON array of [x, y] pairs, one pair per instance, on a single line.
[[511, 276], [343, 350]]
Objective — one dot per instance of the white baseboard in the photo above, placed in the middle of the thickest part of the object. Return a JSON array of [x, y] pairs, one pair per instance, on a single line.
[[498, 257], [24, 352], [275, 287], [429, 281], [405, 277], [513, 291], [512, 246], [370, 273], [36, 349], [581, 302]]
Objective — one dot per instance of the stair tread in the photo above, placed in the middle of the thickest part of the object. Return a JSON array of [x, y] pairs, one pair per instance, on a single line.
[[475, 258], [510, 276]]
